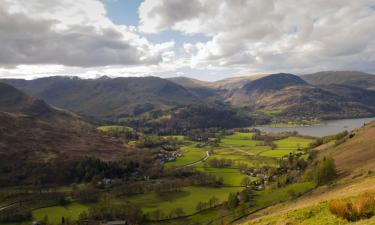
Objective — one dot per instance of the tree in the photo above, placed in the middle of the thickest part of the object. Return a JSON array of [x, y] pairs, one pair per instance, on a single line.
[[246, 182], [177, 212], [325, 171], [201, 206], [214, 201], [232, 201]]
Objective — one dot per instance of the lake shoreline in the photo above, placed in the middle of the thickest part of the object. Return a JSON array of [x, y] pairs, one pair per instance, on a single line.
[[324, 128]]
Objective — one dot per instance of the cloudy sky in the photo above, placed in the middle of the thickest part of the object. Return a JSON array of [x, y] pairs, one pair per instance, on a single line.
[[204, 39]]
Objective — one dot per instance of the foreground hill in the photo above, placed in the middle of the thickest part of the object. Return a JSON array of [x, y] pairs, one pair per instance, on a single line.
[[13, 100], [351, 78], [290, 96], [106, 97], [354, 161]]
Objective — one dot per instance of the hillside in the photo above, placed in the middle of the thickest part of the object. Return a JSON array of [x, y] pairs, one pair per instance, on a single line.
[[203, 89], [43, 141], [290, 96], [354, 161], [15, 101], [106, 97], [351, 78]]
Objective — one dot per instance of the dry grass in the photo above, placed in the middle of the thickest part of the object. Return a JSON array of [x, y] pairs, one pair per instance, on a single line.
[[354, 210]]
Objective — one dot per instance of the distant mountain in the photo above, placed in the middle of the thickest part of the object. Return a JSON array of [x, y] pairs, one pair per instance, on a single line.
[[351, 78], [108, 97], [202, 89], [13, 100], [292, 97], [274, 82], [233, 83]]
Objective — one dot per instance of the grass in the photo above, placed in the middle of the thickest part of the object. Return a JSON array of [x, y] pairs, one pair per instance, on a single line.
[[55, 213], [294, 142], [231, 176], [190, 155], [318, 214], [114, 128], [186, 199], [277, 153], [272, 196]]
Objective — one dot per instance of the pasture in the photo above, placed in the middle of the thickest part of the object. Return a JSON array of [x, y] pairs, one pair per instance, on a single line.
[[186, 199]]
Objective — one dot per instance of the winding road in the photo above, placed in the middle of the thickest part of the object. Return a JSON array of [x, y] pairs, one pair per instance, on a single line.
[[199, 161]]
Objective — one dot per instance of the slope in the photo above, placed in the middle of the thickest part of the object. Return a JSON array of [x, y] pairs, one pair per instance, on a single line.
[[351, 78], [106, 97]]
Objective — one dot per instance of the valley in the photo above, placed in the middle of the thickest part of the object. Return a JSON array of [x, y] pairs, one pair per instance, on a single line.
[[179, 151]]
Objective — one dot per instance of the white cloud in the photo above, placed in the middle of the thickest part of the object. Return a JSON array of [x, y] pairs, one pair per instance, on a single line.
[[70, 33], [40, 38], [271, 35]]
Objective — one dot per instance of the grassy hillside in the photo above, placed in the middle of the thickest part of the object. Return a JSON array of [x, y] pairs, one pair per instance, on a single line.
[[355, 162], [291, 97], [106, 97], [352, 78], [13, 100]]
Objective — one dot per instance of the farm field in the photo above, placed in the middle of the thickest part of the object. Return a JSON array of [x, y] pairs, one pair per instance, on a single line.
[[114, 128], [55, 213], [231, 176], [186, 199], [238, 148], [190, 155]]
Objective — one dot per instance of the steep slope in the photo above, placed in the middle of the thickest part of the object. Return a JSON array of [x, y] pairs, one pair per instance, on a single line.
[[292, 97], [351, 78], [15, 101], [203, 89], [106, 97], [352, 93], [22, 134]]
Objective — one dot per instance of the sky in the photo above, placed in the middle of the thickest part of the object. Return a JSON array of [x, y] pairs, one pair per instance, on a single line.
[[202, 39]]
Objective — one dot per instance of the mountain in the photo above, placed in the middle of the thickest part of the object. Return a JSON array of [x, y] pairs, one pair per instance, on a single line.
[[13, 100], [203, 89], [290, 96], [351, 78], [108, 97]]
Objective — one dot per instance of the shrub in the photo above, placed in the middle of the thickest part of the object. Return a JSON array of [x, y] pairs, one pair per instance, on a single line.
[[362, 208], [325, 171]]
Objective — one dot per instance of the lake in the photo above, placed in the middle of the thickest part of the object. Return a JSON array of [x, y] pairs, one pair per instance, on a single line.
[[320, 130]]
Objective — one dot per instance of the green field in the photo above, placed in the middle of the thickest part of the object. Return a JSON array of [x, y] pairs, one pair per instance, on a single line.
[[114, 128], [277, 153], [272, 196], [190, 155], [294, 142], [55, 213], [186, 199], [231, 176]]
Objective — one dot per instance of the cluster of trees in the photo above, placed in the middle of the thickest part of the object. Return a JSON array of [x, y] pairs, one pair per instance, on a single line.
[[338, 138], [220, 163], [207, 179], [85, 194], [212, 202], [234, 199], [160, 215], [15, 214], [66, 169], [160, 186], [325, 171], [107, 211], [266, 138]]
